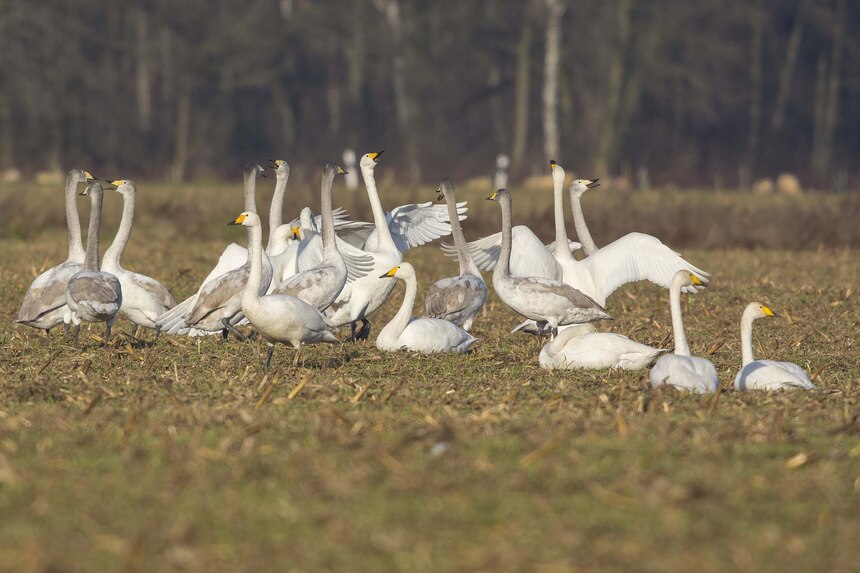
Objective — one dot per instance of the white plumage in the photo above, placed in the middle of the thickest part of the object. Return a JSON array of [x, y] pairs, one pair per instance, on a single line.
[[573, 349]]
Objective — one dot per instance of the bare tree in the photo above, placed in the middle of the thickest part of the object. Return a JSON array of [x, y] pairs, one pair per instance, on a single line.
[[551, 142]]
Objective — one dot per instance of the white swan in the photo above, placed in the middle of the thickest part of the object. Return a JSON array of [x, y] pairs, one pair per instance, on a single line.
[[681, 370], [572, 349], [633, 257], [456, 299], [361, 298], [93, 295], [548, 302], [320, 285], [44, 304], [144, 299], [215, 307], [279, 318], [765, 374], [426, 335]]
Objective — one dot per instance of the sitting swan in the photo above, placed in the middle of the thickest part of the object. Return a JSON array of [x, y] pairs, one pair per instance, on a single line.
[[572, 349], [278, 317], [681, 370], [427, 335], [765, 374]]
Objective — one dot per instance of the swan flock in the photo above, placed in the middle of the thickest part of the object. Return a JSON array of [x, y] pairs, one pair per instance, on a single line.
[[320, 273]]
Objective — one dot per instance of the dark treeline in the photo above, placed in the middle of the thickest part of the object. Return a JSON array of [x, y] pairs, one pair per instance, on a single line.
[[687, 91]]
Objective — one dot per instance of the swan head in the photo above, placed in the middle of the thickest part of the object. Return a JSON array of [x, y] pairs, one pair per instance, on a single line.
[[445, 189], [333, 169], [93, 187], [246, 219], [123, 186], [401, 271], [369, 160], [684, 278], [254, 170], [557, 172], [500, 196], [580, 186], [756, 310], [280, 167], [297, 234], [80, 176]]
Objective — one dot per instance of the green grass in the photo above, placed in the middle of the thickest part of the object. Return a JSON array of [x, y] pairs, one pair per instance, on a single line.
[[188, 456]]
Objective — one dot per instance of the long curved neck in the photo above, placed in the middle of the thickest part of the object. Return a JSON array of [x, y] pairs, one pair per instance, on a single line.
[[682, 347], [562, 250], [401, 319], [73, 221], [255, 248], [582, 232], [117, 247], [91, 263], [383, 234], [467, 265], [746, 339], [276, 212], [251, 191], [327, 230], [503, 266]]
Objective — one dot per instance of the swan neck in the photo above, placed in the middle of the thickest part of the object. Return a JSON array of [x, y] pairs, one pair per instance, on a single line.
[[582, 232], [91, 263], [404, 313], [746, 339], [117, 247], [276, 212], [682, 347], [503, 266], [562, 250], [467, 265], [327, 231], [255, 248], [251, 191], [73, 221], [383, 234]]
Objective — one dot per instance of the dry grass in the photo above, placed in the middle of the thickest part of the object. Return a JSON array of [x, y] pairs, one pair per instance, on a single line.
[[187, 456]]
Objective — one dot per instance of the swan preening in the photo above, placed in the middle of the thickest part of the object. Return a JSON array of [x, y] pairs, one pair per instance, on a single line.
[[318, 273]]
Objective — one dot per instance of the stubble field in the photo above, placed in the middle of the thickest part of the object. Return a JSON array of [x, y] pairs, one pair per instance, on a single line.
[[186, 455]]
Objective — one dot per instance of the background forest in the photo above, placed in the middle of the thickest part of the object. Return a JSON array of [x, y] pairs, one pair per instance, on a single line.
[[686, 92]]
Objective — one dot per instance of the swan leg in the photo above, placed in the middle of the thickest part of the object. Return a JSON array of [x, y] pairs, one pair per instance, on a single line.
[[66, 329], [269, 355], [157, 332], [107, 332], [364, 331], [352, 331], [134, 330], [77, 333], [296, 357], [230, 328]]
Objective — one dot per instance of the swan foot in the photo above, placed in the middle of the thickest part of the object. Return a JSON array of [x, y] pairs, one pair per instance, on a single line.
[[230, 328], [364, 331], [107, 334], [269, 355], [134, 328]]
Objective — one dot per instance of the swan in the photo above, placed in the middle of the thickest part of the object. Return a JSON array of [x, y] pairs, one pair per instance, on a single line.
[[681, 370], [456, 299], [426, 335], [320, 285], [279, 318], [360, 298], [93, 295], [144, 299], [765, 374], [548, 302], [44, 304], [215, 307], [572, 349], [633, 257]]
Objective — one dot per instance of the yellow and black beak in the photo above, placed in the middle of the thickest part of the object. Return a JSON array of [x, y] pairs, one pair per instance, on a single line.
[[592, 183], [275, 163], [89, 176], [390, 273], [297, 232], [768, 312], [376, 155], [697, 281], [341, 170], [552, 164], [238, 220], [115, 184], [493, 196]]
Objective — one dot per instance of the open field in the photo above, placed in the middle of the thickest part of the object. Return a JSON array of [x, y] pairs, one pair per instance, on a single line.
[[187, 456]]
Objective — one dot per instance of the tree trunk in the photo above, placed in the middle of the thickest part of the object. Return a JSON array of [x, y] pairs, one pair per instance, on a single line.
[[749, 161], [609, 138], [827, 100], [183, 132], [144, 73], [551, 144], [521, 94], [788, 67]]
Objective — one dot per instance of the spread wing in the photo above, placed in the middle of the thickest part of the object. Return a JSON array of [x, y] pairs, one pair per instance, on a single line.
[[529, 256], [415, 224], [637, 257]]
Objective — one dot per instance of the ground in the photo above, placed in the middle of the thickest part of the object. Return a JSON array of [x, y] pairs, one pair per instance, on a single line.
[[186, 455]]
